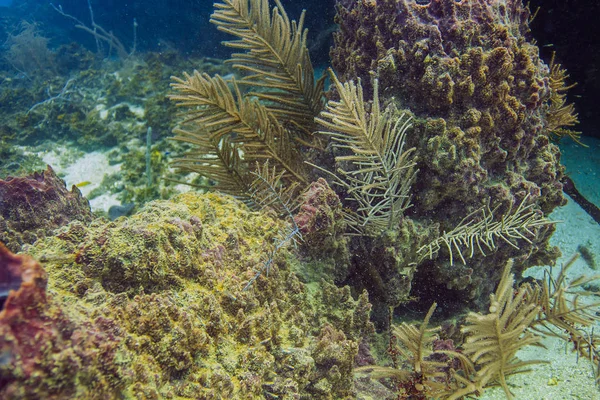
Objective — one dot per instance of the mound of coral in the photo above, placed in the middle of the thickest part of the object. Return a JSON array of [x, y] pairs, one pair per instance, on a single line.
[[33, 206], [482, 101], [154, 306]]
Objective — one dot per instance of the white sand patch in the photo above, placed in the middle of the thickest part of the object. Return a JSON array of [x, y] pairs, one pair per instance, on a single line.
[[53, 158], [88, 172], [104, 202]]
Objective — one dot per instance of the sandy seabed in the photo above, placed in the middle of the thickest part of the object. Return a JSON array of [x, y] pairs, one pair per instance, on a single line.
[[565, 376]]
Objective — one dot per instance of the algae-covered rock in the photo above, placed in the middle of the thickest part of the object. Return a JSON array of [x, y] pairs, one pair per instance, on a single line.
[[166, 286], [33, 206], [150, 251]]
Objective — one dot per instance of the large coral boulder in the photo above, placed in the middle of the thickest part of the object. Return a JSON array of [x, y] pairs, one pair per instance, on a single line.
[[167, 290], [33, 206], [472, 77]]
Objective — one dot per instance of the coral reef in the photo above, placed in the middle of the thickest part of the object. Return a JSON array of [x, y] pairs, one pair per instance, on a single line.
[[88, 104], [33, 206], [164, 288], [457, 138], [438, 123], [481, 97]]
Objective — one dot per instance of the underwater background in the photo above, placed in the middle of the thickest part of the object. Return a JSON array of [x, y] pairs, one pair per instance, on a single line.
[[422, 222]]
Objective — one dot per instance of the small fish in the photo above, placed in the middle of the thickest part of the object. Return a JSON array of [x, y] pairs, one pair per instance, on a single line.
[[156, 156], [83, 184]]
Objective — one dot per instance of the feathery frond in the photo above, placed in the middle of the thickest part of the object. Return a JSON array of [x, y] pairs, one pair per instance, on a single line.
[[275, 58], [216, 159], [481, 234], [561, 115], [230, 132], [380, 170], [564, 314], [268, 190], [428, 375], [418, 344], [415, 344], [493, 339]]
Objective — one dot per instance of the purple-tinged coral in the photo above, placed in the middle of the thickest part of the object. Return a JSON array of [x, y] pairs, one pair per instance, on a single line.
[[480, 94], [23, 282], [334, 360], [320, 216], [322, 225], [34, 206]]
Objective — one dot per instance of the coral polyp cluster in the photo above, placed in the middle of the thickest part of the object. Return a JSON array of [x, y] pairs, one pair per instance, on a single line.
[[154, 306], [469, 68], [482, 100]]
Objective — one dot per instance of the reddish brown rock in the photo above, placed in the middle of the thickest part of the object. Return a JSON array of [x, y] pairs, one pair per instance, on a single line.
[[44, 352], [33, 206]]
